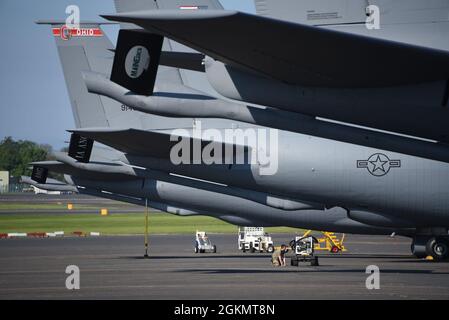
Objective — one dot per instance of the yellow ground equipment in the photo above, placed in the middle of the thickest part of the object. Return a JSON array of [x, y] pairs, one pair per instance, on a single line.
[[329, 242]]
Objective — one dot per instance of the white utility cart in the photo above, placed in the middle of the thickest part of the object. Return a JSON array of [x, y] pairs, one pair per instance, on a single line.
[[254, 239], [203, 243]]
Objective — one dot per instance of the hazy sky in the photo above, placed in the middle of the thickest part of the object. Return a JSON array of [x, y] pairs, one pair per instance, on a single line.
[[34, 99]]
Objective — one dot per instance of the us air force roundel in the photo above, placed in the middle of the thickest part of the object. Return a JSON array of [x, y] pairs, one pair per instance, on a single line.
[[378, 164]]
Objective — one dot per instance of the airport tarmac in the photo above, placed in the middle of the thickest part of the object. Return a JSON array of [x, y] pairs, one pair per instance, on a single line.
[[112, 267]]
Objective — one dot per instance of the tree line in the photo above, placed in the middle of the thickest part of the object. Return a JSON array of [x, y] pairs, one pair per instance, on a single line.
[[15, 156]]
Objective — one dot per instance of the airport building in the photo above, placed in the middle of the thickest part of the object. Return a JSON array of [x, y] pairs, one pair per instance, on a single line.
[[4, 181]]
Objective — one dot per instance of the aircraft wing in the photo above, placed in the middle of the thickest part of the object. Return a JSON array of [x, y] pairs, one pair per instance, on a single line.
[[295, 53]]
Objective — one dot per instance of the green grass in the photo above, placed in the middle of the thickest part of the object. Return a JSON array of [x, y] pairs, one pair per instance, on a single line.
[[132, 223]]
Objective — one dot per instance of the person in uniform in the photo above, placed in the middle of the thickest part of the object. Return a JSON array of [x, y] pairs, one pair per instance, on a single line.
[[278, 256]]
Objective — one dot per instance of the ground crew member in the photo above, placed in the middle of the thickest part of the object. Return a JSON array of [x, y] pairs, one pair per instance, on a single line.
[[278, 256]]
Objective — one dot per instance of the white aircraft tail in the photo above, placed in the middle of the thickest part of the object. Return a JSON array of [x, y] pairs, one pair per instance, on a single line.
[[89, 49], [84, 48]]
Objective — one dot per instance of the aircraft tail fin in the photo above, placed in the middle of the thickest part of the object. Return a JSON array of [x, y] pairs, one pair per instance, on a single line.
[[89, 49], [80, 49], [168, 70], [173, 75]]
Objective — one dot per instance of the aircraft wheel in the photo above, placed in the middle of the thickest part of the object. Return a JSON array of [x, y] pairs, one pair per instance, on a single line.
[[438, 248], [418, 247], [215, 249]]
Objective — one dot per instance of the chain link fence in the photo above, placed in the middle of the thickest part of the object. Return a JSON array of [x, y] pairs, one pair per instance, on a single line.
[[15, 187]]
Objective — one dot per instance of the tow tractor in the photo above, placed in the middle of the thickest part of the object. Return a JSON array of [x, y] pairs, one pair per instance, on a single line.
[[328, 242], [254, 239], [203, 243], [304, 249]]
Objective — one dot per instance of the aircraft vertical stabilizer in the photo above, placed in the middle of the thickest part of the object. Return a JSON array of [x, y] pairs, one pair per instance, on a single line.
[[84, 48], [89, 49], [189, 78]]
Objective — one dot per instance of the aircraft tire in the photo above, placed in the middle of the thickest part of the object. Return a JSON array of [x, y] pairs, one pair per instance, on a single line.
[[418, 247], [438, 248]]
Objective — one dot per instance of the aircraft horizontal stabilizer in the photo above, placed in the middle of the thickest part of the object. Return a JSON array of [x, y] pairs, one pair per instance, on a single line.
[[82, 22], [92, 171], [295, 53], [49, 185], [150, 143], [58, 167], [183, 60]]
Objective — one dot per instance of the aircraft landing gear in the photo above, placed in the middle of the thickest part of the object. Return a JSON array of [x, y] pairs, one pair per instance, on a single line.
[[435, 246], [438, 247], [418, 246]]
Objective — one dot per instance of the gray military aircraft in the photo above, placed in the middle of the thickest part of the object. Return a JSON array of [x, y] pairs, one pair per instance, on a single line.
[[329, 175]]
